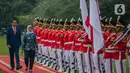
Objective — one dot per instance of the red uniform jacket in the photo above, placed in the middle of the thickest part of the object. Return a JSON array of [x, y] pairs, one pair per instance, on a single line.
[[87, 45], [121, 50], [59, 40], [128, 41], [53, 39], [35, 29], [42, 33], [65, 39], [109, 51], [77, 42], [71, 40], [38, 35], [45, 37]]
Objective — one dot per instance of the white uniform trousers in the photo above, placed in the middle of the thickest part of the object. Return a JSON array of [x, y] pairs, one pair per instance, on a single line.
[[60, 56], [89, 62], [84, 63], [79, 58], [39, 52], [54, 57], [50, 54], [72, 58], [109, 65], [98, 61], [47, 55], [43, 54], [66, 60], [120, 66]]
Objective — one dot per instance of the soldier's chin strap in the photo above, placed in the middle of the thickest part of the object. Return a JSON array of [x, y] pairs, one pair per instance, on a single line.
[[125, 32]]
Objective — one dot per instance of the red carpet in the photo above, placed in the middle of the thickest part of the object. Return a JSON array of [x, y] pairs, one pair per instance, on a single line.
[[5, 66]]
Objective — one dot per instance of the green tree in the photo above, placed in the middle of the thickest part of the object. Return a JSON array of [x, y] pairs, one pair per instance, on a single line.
[[14, 8]]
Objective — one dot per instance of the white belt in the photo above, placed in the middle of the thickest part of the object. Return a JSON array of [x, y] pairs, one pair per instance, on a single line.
[[38, 37], [109, 48], [69, 43], [111, 51], [87, 45], [52, 41], [49, 40], [65, 43], [77, 43], [58, 42], [45, 40], [42, 40]]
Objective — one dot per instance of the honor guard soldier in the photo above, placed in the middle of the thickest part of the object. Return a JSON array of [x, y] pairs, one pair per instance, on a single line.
[[128, 50], [45, 40], [120, 55], [39, 40], [109, 51], [71, 45], [59, 43], [77, 48], [66, 51]]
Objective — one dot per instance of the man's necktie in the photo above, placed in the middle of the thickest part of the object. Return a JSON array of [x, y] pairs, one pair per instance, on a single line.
[[14, 30]]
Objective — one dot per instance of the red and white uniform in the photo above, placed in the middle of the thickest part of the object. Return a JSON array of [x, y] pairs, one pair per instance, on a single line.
[[65, 39], [45, 40], [39, 35], [54, 47], [45, 37], [42, 45], [39, 29], [66, 51], [128, 46], [109, 52], [49, 46], [35, 29], [120, 56], [59, 47], [71, 40], [98, 61], [53, 39], [77, 49], [88, 54], [71, 49]]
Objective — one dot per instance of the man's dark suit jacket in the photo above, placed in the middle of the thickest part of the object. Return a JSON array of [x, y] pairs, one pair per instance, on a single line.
[[13, 40]]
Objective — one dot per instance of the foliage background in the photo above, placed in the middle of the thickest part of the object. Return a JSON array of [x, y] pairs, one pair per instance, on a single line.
[[26, 10]]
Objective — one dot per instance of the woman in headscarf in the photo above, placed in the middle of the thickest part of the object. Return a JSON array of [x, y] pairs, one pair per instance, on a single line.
[[29, 47]]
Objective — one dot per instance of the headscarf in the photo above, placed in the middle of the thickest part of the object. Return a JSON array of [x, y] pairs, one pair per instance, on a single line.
[[29, 26]]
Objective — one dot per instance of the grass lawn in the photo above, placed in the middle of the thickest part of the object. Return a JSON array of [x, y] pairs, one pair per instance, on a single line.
[[2, 71], [4, 50], [3, 47]]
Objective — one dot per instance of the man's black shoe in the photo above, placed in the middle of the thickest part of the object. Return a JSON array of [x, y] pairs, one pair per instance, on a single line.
[[18, 67]]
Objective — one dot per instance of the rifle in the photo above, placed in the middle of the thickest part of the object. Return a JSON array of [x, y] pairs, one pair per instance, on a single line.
[[125, 32]]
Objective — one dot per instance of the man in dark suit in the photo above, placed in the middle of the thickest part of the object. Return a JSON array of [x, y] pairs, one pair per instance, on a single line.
[[13, 38]]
